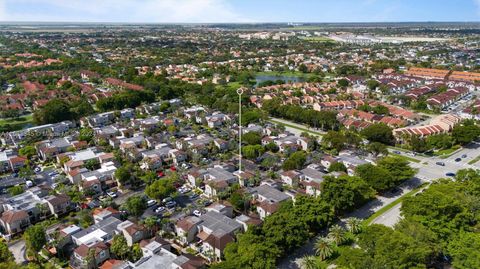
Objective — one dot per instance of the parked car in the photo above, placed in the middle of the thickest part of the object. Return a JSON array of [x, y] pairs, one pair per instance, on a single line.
[[193, 196], [450, 174], [112, 194], [166, 200], [160, 209], [151, 203], [197, 213], [171, 204], [396, 152], [440, 163], [37, 169]]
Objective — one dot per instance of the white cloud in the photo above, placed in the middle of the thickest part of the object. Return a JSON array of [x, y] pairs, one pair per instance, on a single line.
[[161, 11]]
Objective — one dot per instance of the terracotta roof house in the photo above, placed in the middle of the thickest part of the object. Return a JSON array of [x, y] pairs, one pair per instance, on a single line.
[[14, 221], [187, 228], [79, 259], [428, 73]]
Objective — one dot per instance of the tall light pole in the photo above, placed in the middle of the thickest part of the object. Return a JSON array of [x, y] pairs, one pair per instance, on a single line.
[[240, 92]]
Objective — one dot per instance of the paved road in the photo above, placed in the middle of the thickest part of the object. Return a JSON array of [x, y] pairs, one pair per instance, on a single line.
[[428, 170], [295, 131], [18, 250], [389, 218]]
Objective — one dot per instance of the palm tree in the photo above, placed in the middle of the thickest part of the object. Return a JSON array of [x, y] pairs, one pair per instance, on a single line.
[[354, 225], [323, 248], [151, 223], [308, 262], [337, 234], [43, 208]]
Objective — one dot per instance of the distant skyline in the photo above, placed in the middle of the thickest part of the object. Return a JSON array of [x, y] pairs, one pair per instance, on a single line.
[[246, 11]]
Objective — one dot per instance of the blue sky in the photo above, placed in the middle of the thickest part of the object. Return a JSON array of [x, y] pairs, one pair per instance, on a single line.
[[175, 11]]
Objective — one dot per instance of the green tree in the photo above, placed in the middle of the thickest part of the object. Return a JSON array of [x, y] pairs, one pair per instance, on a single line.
[[35, 239], [354, 225], [136, 252], [441, 141], [345, 192], [27, 151], [378, 133], [252, 152], [308, 262], [15, 190], [377, 177], [380, 110], [119, 247], [162, 188], [464, 250], [337, 234], [135, 205], [85, 218], [399, 168], [252, 138], [343, 83], [86, 134], [372, 84], [5, 254], [337, 167], [323, 248], [123, 174], [250, 251], [92, 164], [353, 258], [376, 148], [464, 134], [56, 110], [295, 161], [334, 140]]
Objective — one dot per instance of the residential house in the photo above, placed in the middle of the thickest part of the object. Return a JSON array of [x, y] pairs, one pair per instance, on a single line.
[[268, 200]]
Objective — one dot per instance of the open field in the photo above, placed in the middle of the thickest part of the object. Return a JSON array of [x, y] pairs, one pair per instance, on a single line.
[[318, 39], [17, 123]]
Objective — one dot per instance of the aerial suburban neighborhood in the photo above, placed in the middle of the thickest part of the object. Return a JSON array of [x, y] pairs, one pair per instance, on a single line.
[[232, 145]]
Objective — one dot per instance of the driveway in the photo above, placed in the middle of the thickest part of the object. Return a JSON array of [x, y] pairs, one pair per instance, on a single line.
[[18, 250]]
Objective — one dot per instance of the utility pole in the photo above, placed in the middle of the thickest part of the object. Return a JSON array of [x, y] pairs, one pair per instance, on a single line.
[[240, 92]]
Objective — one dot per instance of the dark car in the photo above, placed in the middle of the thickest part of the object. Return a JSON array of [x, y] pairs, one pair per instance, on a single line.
[[458, 159], [450, 174], [440, 163]]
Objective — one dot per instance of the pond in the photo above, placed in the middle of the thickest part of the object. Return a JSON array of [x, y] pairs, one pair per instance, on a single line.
[[263, 78]]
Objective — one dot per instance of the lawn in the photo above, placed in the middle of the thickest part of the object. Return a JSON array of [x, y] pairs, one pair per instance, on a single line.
[[393, 204], [296, 127], [407, 158], [474, 160], [445, 153], [16, 123]]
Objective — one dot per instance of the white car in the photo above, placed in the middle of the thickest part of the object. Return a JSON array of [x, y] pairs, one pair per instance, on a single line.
[[160, 209], [112, 194], [151, 203], [197, 213]]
